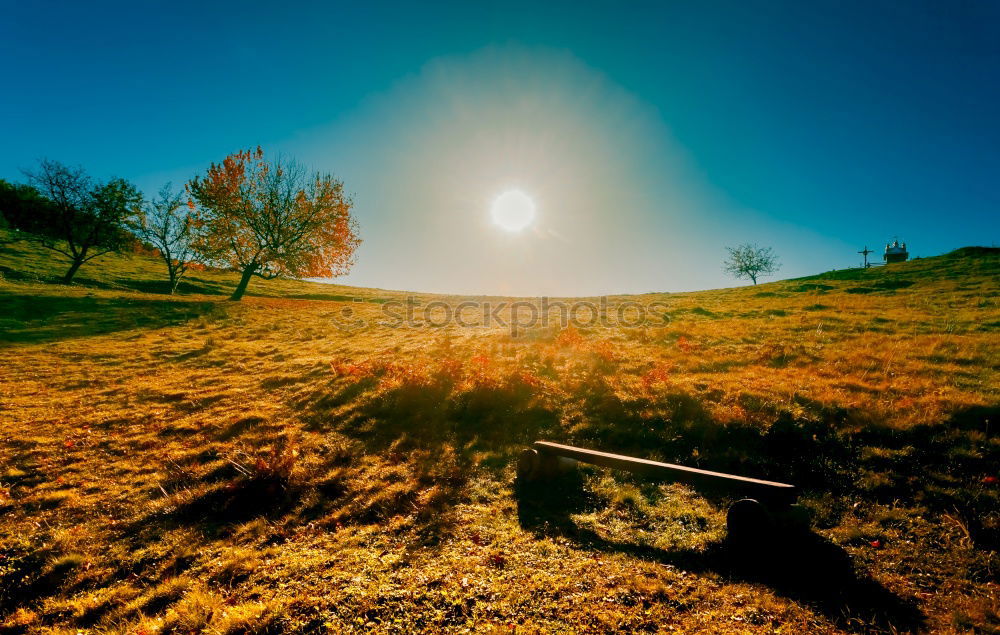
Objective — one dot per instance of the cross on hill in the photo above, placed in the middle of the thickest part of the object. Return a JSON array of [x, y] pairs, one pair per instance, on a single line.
[[865, 252]]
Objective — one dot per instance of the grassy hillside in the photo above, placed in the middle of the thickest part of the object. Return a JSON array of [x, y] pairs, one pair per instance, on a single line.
[[183, 463]]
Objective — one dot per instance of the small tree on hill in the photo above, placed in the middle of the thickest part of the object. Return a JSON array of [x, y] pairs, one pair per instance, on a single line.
[[88, 217], [271, 219], [168, 224], [749, 261]]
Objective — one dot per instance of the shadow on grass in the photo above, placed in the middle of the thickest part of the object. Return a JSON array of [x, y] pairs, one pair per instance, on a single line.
[[803, 566], [489, 418], [186, 285], [46, 318], [238, 501], [435, 433], [409, 453]]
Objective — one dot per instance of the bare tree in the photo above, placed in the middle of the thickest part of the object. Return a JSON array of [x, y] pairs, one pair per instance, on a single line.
[[168, 224], [88, 217], [748, 261]]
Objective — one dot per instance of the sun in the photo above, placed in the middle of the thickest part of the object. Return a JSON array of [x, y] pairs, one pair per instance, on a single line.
[[513, 210]]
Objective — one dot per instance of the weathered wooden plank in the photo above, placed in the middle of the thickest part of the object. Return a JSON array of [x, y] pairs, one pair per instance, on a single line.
[[769, 492]]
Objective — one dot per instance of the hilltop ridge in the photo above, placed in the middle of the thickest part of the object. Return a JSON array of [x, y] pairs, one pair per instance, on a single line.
[[24, 260]]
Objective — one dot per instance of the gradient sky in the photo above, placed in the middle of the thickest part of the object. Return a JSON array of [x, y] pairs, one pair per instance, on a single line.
[[650, 135]]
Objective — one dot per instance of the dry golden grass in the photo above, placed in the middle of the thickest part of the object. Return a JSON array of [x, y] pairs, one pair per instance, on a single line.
[[185, 464]]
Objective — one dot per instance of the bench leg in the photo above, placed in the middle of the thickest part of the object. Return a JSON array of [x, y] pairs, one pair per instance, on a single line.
[[533, 465], [749, 522]]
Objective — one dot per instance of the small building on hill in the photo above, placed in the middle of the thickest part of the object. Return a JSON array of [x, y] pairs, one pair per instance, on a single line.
[[895, 252]]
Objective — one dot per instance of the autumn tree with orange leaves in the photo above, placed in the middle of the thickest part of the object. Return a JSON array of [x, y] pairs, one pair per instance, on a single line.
[[272, 218]]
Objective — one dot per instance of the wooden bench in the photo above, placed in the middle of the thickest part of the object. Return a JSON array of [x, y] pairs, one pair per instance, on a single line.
[[762, 507]]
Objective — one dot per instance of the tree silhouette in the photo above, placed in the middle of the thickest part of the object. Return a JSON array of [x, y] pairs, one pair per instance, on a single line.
[[748, 261], [271, 219], [88, 217], [169, 225]]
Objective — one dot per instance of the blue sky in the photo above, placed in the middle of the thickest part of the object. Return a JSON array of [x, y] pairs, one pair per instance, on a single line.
[[650, 134]]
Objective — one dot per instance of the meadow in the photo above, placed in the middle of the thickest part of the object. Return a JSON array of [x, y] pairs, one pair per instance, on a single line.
[[183, 463]]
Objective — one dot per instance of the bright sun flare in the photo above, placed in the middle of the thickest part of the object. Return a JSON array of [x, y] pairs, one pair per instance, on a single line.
[[513, 210]]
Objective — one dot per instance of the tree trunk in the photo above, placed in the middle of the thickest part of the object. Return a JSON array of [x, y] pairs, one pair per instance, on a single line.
[[244, 281], [68, 278], [173, 281], [754, 278]]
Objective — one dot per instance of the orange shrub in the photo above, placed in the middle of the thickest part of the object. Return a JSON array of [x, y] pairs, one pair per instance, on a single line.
[[569, 338]]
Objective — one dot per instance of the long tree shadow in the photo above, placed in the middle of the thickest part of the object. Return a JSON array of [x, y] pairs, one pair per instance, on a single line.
[[46, 318], [427, 439], [488, 419], [187, 284], [801, 566]]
